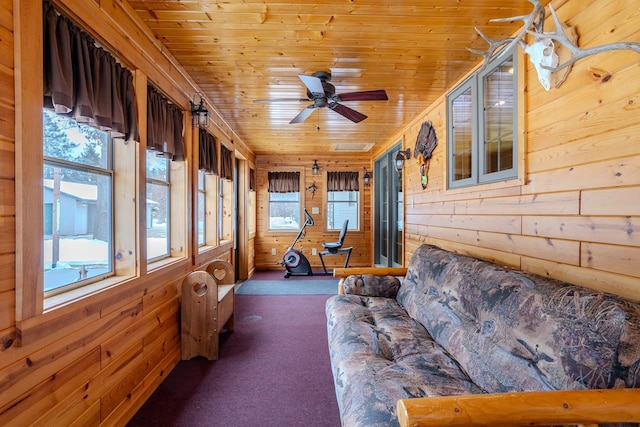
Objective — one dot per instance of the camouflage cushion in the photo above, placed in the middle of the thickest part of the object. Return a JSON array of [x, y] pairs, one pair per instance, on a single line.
[[379, 355], [371, 285], [512, 331]]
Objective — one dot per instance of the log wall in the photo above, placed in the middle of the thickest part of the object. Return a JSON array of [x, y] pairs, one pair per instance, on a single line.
[[575, 212], [280, 240], [94, 361]]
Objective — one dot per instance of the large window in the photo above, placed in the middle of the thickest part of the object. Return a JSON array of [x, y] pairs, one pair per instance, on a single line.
[[77, 205], [343, 200], [284, 200], [158, 206], [482, 119]]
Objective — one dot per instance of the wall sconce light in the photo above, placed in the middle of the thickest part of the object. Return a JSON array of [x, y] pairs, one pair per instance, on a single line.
[[366, 178], [199, 113], [315, 169], [401, 157]]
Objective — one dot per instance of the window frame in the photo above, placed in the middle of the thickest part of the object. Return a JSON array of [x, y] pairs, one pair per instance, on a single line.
[[165, 183], [476, 85], [358, 213], [104, 171]]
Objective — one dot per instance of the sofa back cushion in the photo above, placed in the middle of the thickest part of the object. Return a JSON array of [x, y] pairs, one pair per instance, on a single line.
[[513, 331]]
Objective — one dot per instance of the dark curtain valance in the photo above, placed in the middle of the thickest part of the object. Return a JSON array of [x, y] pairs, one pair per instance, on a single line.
[[207, 152], [284, 182], [84, 81], [252, 179], [164, 126], [226, 163], [343, 181]]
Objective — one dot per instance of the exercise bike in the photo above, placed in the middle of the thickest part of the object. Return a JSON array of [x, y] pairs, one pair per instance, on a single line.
[[294, 260]]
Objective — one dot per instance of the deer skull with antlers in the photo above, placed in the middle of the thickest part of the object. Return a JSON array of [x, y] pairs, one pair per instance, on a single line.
[[542, 50]]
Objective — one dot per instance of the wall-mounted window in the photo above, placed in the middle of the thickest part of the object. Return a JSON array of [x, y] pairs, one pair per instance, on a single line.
[[158, 206], [89, 118], [482, 121], [284, 200], [78, 201], [343, 200]]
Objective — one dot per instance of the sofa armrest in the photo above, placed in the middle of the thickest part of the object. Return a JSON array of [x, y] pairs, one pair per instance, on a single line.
[[588, 407], [379, 271]]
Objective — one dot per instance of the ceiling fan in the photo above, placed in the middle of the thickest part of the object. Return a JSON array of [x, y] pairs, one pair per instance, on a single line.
[[323, 94]]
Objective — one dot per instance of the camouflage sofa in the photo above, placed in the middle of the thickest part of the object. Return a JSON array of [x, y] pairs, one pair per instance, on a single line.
[[457, 325]]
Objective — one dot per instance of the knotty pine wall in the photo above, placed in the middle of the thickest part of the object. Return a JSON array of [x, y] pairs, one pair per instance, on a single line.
[[92, 362], [575, 213], [280, 240]]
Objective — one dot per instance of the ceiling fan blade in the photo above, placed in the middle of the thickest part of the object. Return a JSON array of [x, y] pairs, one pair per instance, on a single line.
[[349, 113], [367, 95], [302, 115], [314, 84], [264, 101]]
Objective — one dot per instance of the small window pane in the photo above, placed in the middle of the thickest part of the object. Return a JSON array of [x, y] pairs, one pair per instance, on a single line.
[[77, 226], [65, 139], [201, 209], [284, 211], [157, 220], [342, 205], [498, 118], [462, 136], [157, 166]]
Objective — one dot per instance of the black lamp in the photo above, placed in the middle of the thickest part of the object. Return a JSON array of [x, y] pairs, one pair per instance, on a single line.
[[401, 157], [366, 178], [315, 169], [199, 113]]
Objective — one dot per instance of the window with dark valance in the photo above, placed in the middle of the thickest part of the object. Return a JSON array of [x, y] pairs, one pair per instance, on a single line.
[[164, 126], [284, 182], [252, 179], [207, 152], [226, 163], [343, 181], [84, 81]]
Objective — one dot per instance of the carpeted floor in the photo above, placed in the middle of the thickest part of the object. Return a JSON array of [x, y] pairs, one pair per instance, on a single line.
[[273, 370]]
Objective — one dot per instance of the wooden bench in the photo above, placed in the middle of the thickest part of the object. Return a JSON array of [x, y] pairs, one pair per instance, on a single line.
[[208, 301]]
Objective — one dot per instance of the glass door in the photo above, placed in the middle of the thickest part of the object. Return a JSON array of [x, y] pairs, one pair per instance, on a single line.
[[388, 212]]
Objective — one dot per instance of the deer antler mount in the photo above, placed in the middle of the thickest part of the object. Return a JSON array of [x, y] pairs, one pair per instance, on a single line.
[[542, 51]]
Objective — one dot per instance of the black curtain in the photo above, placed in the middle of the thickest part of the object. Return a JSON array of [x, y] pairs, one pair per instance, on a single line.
[[164, 126], [343, 181], [207, 152], [226, 163], [84, 81], [284, 182]]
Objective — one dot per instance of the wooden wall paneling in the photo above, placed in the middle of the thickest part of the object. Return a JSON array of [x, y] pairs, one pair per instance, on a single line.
[[28, 134], [315, 235], [510, 224], [611, 201], [6, 14], [8, 268], [27, 371], [53, 392], [612, 258], [626, 286], [615, 230]]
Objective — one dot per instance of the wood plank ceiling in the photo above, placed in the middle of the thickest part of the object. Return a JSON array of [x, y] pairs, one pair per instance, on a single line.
[[240, 51]]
